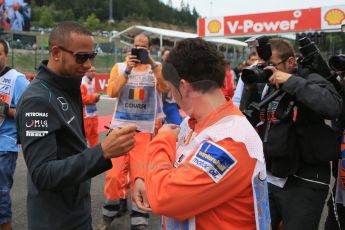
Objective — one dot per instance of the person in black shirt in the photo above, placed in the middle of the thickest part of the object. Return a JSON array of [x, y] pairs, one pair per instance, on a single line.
[[50, 129], [298, 145]]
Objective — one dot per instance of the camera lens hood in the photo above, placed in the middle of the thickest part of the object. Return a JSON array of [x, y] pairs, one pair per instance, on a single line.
[[337, 62]]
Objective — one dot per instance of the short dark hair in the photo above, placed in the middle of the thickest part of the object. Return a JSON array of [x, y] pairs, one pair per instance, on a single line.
[[5, 45], [283, 47], [62, 32], [196, 60]]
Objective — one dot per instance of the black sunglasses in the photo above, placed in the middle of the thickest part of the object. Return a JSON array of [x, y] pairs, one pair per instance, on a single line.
[[80, 57]]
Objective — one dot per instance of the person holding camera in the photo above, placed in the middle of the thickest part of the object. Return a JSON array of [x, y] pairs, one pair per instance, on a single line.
[[138, 85], [241, 93], [298, 145], [12, 86], [336, 202], [50, 128]]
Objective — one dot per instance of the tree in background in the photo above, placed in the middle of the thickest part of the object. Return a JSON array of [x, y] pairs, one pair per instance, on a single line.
[[149, 10], [92, 22]]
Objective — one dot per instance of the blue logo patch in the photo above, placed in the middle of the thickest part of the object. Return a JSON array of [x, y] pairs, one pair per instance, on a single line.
[[214, 160]]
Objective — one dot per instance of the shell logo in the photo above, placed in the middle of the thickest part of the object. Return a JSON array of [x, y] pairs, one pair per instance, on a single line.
[[334, 16], [214, 26]]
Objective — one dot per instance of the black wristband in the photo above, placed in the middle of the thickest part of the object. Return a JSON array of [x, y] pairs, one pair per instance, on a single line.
[[154, 65], [127, 72]]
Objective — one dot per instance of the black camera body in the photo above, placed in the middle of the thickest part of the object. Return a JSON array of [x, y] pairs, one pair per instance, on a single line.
[[141, 55], [313, 62], [257, 73]]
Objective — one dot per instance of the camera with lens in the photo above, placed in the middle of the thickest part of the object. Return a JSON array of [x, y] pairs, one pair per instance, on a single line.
[[257, 73], [337, 63], [313, 62]]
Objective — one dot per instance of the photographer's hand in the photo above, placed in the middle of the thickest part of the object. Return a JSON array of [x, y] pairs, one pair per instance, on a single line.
[[278, 77], [131, 61], [151, 60]]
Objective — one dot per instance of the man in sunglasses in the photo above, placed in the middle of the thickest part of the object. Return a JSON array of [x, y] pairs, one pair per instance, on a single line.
[[138, 84], [50, 127]]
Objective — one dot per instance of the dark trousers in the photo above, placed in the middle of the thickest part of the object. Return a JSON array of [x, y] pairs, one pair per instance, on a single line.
[[7, 167], [331, 222], [298, 205]]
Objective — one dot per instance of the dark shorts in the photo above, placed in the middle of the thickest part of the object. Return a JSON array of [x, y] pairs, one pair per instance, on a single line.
[[7, 167]]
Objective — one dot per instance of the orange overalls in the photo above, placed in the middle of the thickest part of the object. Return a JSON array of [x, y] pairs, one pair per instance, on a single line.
[[89, 111], [131, 166], [208, 188]]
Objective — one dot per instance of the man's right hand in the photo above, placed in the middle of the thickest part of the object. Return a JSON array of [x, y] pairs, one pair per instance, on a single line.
[[98, 96], [131, 61], [119, 142], [175, 129], [4, 107]]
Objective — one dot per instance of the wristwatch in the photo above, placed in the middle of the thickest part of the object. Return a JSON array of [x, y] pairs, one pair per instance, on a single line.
[[127, 72], [153, 65]]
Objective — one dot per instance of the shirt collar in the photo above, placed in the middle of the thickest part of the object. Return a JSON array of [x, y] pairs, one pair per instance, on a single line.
[[67, 83], [227, 109]]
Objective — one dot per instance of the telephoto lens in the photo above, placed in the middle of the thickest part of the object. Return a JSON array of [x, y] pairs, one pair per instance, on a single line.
[[256, 74]]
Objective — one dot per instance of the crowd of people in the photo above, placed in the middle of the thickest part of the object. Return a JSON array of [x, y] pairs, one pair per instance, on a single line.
[[212, 168]]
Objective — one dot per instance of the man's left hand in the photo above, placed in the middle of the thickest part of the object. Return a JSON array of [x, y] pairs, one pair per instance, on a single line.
[[151, 60], [139, 195]]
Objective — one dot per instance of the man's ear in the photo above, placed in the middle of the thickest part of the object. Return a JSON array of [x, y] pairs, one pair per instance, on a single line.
[[56, 53], [292, 62], [185, 88]]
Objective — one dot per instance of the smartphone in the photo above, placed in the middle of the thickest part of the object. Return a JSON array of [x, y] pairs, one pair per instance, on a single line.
[[141, 54]]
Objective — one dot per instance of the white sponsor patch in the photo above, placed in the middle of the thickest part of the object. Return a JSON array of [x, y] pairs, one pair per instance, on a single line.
[[5, 88], [36, 114], [214, 160], [37, 123], [36, 133]]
